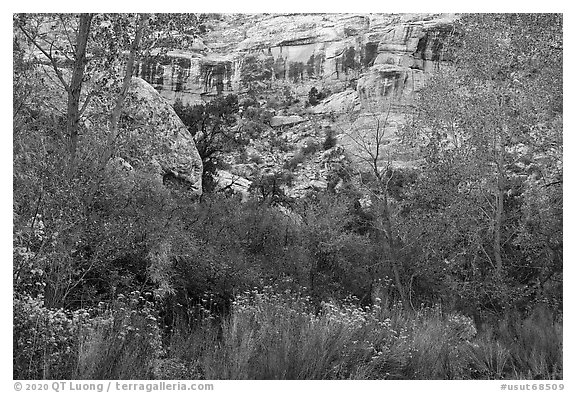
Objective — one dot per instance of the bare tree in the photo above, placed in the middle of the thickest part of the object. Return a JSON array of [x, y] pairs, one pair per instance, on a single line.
[[368, 142]]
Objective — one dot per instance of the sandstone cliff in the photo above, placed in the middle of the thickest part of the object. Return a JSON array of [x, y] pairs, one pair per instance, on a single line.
[[363, 64], [378, 55]]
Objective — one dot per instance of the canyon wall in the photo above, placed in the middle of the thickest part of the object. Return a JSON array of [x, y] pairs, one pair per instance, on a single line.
[[365, 65], [377, 55]]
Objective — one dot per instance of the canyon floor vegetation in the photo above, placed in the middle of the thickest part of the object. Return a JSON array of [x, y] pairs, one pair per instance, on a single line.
[[132, 259]]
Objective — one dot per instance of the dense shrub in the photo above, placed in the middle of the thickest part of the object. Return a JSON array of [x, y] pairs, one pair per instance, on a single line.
[[121, 274], [315, 96], [46, 341], [293, 162], [122, 342]]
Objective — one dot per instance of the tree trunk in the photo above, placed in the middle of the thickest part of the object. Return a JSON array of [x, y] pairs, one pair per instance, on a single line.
[[118, 107], [498, 218], [393, 247], [499, 205], [75, 89]]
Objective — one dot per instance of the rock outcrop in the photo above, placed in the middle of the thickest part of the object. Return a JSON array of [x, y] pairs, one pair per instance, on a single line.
[[344, 102], [235, 183], [188, 76], [394, 52], [152, 137], [359, 64], [277, 121]]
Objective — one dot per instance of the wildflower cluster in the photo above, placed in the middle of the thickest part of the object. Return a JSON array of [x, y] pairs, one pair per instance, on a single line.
[[270, 304], [128, 333], [45, 340], [205, 310], [57, 343], [130, 317], [29, 277], [462, 326]]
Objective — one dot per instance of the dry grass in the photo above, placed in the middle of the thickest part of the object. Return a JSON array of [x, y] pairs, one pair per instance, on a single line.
[[283, 335]]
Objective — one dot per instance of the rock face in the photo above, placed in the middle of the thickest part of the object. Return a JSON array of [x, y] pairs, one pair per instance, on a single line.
[[359, 64], [277, 121], [188, 76], [157, 137], [343, 102], [385, 54]]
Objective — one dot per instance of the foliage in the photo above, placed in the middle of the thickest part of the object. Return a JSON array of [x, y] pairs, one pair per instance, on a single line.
[[256, 72], [65, 136], [121, 343], [45, 340], [491, 131], [269, 187], [330, 139], [315, 96], [119, 274], [282, 334], [296, 71], [214, 128]]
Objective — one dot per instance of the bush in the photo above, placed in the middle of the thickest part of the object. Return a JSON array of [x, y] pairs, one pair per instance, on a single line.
[[46, 340], [121, 343], [310, 147], [315, 96], [329, 140]]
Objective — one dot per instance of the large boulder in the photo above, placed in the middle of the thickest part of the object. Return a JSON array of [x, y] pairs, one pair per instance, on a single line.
[[155, 138], [151, 138]]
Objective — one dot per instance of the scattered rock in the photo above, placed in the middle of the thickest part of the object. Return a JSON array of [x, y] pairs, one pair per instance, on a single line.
[[238, 184], [319, 184]]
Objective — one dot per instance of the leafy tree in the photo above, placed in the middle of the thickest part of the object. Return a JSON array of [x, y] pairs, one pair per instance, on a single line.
[[66, 130], [296, 71], [269, 188], [256, 72], [311, 66], [349, 60], [315, 96], [341, 261], [214, 127], [492, 134], [329, 139], [39, 32]]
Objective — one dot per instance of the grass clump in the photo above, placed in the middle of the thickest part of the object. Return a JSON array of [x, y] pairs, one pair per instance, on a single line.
[[271, 335]]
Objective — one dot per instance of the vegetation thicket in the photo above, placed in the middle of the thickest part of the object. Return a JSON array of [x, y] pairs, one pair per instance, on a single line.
[[451, 271]]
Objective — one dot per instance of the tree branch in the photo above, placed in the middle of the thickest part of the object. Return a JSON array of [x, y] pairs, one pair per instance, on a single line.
[[49, 57]]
